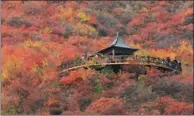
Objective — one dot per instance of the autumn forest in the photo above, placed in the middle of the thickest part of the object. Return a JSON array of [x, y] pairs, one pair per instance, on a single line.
[[38, 36]]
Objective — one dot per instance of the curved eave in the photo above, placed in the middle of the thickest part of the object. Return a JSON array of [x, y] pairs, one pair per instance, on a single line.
[[135, 49]]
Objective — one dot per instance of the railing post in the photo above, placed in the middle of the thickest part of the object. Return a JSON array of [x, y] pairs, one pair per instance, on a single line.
[[148, 59]]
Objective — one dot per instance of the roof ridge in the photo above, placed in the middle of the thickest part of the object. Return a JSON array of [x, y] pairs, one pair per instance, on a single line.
[[117, 38]]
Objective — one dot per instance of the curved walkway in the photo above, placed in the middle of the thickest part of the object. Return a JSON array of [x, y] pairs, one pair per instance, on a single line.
[[119, 63]]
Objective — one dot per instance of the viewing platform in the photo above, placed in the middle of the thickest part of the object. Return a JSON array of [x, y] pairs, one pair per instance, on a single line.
[[118, 53]]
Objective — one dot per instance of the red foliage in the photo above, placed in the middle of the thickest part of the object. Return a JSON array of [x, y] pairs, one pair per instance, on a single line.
[[80, 74], [168, 106], [106, 106], [71, 78], [31, 59], [51, 30], [177, 108], [69, 52]]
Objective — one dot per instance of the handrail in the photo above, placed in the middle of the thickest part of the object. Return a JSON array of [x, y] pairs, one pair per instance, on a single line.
[[89, 65], [123, 58]]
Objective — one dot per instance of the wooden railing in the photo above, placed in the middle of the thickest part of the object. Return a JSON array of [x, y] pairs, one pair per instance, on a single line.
[[122, 59]]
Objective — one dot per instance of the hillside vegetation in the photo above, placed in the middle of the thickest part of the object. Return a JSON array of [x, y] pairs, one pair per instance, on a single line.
[[37, 36]]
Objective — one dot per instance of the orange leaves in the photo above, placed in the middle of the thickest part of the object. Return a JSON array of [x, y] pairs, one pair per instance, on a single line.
[[67, 13], [179, 108], [6, 28], [76, 75], [137, 37], [162, 53], [188, 27], [171, 106], [185, 52], [117, 10], [69, 53], [136, 21], [123, 75], [52, 102], [92, 20], [31, 59], [167, 106], [188, 12], [12, 59], [106, 106], [34, 45], [72, 4], [71, 78]]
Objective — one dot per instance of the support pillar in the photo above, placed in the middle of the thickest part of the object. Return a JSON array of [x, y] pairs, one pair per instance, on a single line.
[[113, 53]]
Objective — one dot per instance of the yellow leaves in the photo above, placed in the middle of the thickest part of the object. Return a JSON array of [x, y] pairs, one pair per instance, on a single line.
[[131, 43], [40, 69], [67, 13], [35, 44], [84, 29], [142, 53], [45, 63], [91, 30], [161, 53], [83, 17], [29, 43], [153, 15], [35, 68], [144, 10], [46, 30], [90, 62], [185, 52], [142, 77], [185, 46], [81, 28], [12, 63]]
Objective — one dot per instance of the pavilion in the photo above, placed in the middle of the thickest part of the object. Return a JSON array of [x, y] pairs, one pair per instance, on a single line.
[[118, 47]]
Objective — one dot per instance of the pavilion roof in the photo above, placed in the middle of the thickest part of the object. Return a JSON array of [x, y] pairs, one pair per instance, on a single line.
[[118, 42]]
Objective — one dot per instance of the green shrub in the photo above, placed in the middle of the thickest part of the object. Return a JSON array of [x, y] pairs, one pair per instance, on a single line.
[[103, 32], [107, 19], [187, 91], [56, 84], [10, 110], [107, 70], [68, 31], [18, 21], [163, 87], [78, 61], [135, 95], [84, 103], [98, 88]]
